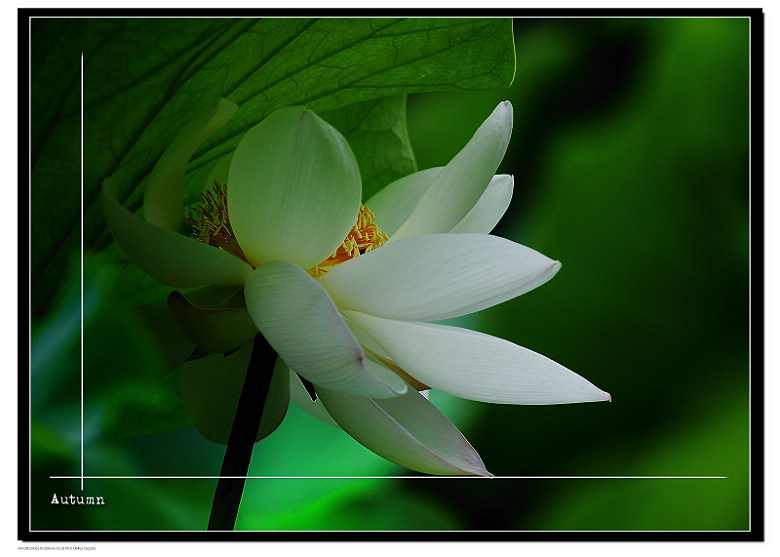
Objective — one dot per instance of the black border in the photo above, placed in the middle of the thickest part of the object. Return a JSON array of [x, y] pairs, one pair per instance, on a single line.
[[23, 250], [757, 410]]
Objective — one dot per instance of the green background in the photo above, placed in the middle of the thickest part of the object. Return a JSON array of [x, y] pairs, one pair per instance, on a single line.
[[630, 154]]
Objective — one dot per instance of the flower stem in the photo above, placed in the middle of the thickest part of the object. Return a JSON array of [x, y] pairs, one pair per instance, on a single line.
[[238, 453]]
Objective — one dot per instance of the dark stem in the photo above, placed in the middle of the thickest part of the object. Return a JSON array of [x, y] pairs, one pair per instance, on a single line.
[[238, 453]]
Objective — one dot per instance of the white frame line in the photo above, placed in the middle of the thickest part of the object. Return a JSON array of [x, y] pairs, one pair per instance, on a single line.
[[82, 476], [81, 338], [390, 477]]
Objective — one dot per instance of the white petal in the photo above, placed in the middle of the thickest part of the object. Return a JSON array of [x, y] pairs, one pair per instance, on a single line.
[[484, 216], [407, 430], [299, 320], [437, 276], [300, 396], [168, 256], [458, 187], [293, 189], [163, 193], [476, 366], [382, 359], [393, 204]]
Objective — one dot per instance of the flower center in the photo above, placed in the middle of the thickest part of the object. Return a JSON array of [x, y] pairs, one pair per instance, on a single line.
[[209, 221], [363, 237]]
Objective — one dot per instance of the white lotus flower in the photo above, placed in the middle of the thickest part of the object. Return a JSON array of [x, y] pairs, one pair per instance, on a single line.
[[344, 294]]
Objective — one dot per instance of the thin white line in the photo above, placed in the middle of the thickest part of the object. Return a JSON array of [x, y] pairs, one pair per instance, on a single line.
[[389, 477], [29, 271], [750, 267], [82, 272], [477, 15], [83, 477]]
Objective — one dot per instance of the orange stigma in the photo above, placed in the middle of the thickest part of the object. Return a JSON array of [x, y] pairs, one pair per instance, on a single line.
[[363, 237]]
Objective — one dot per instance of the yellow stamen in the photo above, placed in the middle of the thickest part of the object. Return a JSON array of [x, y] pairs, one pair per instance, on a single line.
[[210, 223], [364, 236]]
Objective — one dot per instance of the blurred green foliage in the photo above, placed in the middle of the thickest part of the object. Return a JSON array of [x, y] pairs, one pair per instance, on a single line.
[[630, 154]]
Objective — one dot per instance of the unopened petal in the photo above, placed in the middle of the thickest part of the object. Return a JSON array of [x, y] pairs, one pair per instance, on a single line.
[[220, 329], [477, 366], [484, 216], [168, 256], [407, 430], [293, 189], [219, 172], [458, 187], [163, 193], [437, 276], [300, 321], [211, 388]]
